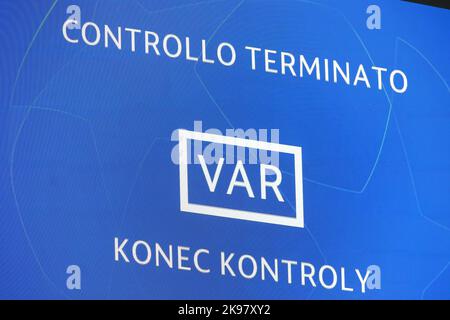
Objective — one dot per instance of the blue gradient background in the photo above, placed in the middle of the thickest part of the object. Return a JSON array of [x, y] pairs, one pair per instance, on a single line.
[[85, 147]]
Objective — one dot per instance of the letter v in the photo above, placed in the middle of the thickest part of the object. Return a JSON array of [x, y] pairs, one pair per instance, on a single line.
[[211, 183]]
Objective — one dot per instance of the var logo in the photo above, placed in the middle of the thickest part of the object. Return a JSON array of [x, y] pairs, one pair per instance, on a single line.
[[253, 192]]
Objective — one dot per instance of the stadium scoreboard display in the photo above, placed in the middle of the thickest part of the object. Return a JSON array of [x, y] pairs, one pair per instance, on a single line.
[[225, 149]]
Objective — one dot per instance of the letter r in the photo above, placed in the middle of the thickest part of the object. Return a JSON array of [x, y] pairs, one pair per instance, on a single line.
[[273, 184]]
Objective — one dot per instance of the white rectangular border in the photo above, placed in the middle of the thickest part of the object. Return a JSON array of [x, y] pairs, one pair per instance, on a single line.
[[185, 206]]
